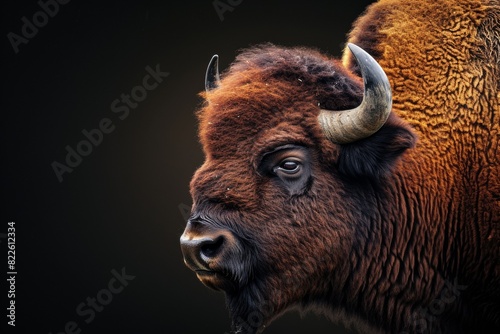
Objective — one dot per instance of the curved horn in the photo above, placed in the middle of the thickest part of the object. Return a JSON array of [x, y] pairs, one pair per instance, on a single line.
[[212, 75], [347, 126]]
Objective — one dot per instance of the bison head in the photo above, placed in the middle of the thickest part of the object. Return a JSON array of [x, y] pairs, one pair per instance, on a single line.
[[298, 151]]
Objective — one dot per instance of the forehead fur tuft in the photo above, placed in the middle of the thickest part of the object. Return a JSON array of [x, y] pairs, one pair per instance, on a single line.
[[293, 67]]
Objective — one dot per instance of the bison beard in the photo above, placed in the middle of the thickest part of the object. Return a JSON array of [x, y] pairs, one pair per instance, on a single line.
[[315, 193]]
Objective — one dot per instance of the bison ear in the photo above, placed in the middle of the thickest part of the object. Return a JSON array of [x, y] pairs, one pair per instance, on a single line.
[[375, 156]]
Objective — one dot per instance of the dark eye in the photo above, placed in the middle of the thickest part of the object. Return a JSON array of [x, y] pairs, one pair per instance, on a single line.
[[288, 166]]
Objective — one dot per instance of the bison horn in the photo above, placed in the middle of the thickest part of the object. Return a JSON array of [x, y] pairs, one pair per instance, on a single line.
[[212, 75], [347, 126]]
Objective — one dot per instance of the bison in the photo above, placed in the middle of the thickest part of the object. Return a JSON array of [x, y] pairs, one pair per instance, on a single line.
[[366, 188]]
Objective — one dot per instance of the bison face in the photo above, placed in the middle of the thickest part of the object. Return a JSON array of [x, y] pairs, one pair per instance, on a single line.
[[284, 194]]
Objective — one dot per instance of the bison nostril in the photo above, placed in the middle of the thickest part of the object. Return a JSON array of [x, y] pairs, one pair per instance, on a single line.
[[200, 253], [210, 248]]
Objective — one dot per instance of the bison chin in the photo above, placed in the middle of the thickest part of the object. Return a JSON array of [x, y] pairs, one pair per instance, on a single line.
[[266, 297], [251, 310]]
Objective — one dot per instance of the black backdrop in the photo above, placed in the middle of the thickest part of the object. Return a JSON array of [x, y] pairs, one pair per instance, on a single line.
[[120, 210]]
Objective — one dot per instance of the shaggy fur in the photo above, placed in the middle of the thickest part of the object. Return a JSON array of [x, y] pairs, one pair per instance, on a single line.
[[389, 234]]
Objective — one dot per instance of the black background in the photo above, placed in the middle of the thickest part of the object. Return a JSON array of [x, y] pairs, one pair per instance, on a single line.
[[121, 206]]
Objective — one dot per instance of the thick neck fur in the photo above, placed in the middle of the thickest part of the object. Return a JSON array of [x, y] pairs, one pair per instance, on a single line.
[[410, 267]]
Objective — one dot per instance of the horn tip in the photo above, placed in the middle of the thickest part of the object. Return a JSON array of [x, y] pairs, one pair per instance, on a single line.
[[212, 73]]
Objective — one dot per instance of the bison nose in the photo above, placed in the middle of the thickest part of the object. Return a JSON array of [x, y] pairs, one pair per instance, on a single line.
[[202, 249], [199, 252]]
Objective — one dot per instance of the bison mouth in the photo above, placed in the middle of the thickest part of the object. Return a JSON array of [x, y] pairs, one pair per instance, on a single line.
[[215, 280]]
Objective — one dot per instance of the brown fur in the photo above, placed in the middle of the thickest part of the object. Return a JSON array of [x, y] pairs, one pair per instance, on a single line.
[[384, 226]]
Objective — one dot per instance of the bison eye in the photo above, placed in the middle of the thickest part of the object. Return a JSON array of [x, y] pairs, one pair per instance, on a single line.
[[288, 166]]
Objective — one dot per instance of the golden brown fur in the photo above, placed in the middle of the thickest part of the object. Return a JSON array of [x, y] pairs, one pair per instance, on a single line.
[[443, 60]]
